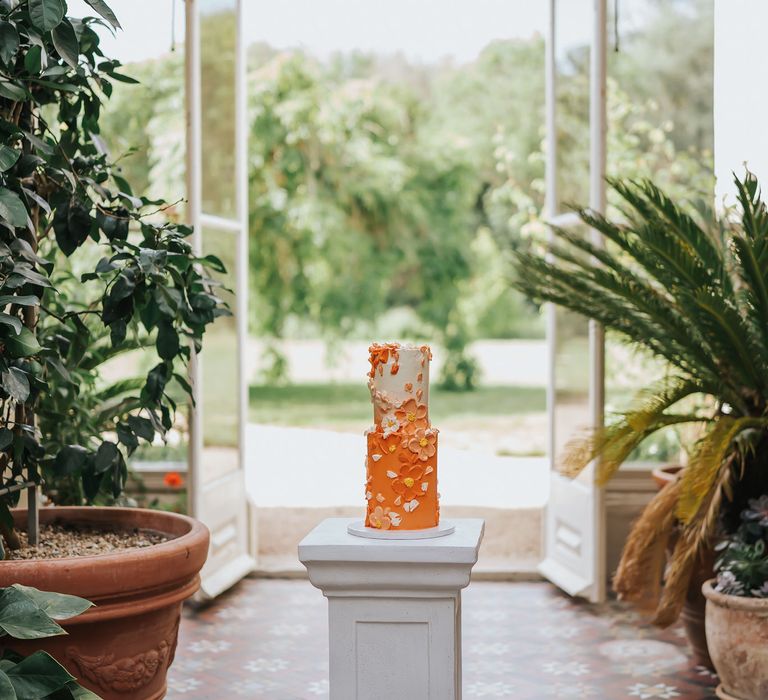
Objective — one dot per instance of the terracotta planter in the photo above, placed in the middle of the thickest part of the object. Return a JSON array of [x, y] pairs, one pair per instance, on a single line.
[[122, 648], [693, 610], [666, 474], [737, 632]]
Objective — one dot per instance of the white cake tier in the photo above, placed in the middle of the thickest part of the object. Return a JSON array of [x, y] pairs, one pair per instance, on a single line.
[[409, 381]]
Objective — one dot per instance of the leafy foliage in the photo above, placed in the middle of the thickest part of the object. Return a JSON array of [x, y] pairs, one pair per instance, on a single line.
[[88, 269], [688, 288], [27, 613], [742, 567]]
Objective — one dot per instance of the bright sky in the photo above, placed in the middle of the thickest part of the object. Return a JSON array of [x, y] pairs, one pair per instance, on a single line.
[[424, 30]]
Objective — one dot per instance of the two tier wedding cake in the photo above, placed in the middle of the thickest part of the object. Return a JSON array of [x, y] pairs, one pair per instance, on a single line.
[[401, 465]]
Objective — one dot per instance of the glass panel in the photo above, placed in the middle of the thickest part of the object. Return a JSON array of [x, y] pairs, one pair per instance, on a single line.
[[573, 31], [218, 47], [572, 376], [660, 126], [219, 365]]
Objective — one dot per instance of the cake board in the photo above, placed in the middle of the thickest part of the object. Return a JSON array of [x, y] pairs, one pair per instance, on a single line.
[[359, 529]]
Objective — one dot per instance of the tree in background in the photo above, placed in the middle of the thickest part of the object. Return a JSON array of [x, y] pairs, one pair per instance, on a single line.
[[377, 184], [352, 213]]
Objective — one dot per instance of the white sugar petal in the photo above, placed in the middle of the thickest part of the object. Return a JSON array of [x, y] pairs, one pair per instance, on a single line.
[[391, 474], [424, 486], [411, 506], [368, 495], [376, 457], [428, 470], [379, 498], [398, 500]]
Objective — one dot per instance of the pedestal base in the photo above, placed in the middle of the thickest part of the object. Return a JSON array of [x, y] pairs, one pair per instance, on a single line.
[[358, 529], [394, 609]]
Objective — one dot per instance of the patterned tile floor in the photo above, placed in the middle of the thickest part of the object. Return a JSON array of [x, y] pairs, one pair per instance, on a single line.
[[522, 641]]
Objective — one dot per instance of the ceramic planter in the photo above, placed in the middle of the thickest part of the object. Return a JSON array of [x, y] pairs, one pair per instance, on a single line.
[[737, 633], [122, 647]]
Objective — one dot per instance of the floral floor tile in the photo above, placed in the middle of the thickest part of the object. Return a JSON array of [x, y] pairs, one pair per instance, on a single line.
[[522, 641]]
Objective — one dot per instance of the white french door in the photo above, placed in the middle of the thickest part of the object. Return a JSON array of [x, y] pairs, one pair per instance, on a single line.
[[574, 538], [218, 210]]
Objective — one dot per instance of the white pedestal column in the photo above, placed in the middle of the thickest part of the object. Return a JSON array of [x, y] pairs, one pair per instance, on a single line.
[[394, 609]]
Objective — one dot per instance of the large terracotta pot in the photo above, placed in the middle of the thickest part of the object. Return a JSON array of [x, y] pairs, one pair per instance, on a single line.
[[693, 611], [737, 632], [122, 647]]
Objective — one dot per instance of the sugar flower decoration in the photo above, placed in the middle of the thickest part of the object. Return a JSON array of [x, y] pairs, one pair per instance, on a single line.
[[412, 415], [389, 424], [423, 444]]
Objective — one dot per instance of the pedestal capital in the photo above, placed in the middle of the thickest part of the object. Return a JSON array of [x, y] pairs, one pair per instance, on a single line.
[[341, 564]]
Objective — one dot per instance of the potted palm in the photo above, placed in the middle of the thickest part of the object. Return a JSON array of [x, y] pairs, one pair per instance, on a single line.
[[692, 289], [89, 271]]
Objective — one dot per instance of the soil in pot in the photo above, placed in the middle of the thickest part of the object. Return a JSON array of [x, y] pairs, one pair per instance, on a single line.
[[60, 539], [737, 633]]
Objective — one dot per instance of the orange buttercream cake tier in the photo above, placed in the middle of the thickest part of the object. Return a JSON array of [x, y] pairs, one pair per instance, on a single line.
[[401, 466]]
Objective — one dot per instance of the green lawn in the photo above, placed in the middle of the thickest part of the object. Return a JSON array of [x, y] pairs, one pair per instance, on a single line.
[[349, 405]]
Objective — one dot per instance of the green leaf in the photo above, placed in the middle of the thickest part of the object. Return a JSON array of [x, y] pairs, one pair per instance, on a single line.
[[8, 157], [22, 618], [126, 436], [70, 459], [59, 606], [12, 321], [65, 41], [79, 693], [19, 300], [123, 78], [105, 456], [142, 427], [167, 341], [22, 345], [12, 209], [12, 91], [46, 14], [16, 383], [214, 263], [6, 437], [9, 44], [104, 10], [37, 676], [124, 285], [33, 61], [7, 691]]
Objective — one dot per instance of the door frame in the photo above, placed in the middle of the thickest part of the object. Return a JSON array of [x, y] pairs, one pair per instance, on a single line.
[[555, 567], [217, 581]]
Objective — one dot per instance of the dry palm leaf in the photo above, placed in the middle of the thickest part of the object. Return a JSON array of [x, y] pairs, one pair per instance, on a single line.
[[639, 574]]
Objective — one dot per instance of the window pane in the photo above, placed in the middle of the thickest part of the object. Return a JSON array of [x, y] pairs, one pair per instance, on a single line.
[[573, 36], [573, 28], [220, 380], [572, 376], [218, 47], [660, 126]]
